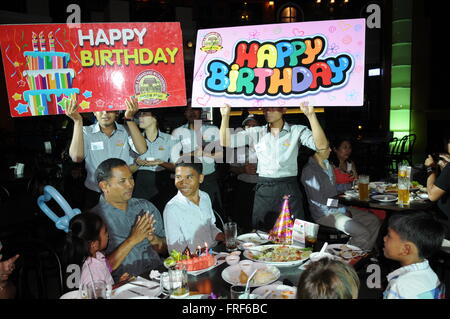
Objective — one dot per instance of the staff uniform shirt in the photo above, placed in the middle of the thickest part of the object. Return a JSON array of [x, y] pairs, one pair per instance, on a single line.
[[120, 223], [99, 147], [159, 149], [96, 268], [320, 185], [416, 281], [189, 140], [187, 224], [277, 155]]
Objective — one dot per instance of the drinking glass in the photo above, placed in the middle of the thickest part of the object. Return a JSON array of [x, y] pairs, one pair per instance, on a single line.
[[236, 291], [311, 231], [363, 187], [97, 290], [230, 231], [403, 184], [178, 281]]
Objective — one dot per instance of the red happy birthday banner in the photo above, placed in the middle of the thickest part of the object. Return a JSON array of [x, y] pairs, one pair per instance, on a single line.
[[103, 63]]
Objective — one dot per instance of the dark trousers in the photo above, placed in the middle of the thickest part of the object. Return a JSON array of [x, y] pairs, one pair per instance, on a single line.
[[268, 202], [210, 185], [156, 187], [243, 198]]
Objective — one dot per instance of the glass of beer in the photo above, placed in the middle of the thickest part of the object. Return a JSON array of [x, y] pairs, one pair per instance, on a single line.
[[403, 184], [363, 187], [311, 231]]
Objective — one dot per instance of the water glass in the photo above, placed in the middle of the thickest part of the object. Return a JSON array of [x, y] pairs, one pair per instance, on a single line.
[[96, 290], [236, 291], [363, 187], [178, 281], [230, 231]]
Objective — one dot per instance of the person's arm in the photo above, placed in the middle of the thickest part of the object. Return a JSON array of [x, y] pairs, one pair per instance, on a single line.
[[135, 133], [225, 136], [434, 192], [318, 134], [139, 232], [76, 149]]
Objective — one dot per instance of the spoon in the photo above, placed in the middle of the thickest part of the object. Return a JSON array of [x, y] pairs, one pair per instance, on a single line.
[[247, 286]]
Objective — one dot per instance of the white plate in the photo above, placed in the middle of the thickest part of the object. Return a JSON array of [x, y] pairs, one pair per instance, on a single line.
[[71, 295], [385, 198], [254, 238], [276, 291], [254, 250], [351, 193], [231, 274], [129, 291], [344, 251], [423, 195]]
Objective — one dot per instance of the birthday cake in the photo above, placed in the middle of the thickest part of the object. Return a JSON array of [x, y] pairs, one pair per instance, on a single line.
[[192, 262], [49, 78]]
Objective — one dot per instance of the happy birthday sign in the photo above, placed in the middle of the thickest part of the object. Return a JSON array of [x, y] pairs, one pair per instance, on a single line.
[[281, 65], [45, 65]]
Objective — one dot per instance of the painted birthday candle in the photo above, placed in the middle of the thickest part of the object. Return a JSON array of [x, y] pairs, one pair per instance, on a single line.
[[34, 42], [42, 41], [51, 41]]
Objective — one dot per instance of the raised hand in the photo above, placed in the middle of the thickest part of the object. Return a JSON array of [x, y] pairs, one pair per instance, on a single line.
[[307, 109], [7, 267], [225, 110], [71, 110], [132, 107]]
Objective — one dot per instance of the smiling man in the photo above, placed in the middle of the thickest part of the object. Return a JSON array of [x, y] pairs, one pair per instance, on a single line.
[[189, 219], [135, 226]]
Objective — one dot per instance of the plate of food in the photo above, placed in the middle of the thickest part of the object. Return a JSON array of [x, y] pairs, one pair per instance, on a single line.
[[257, 239], [275, 291], [345, 252], [266, 274], [278, 255], [386, 198]]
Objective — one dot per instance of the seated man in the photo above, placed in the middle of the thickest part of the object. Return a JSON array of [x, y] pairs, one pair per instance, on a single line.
[[320, 185], [189, 219], [135, 226]]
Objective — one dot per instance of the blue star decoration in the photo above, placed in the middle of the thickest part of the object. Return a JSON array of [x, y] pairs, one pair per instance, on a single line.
[[87, 94], [21, 108]]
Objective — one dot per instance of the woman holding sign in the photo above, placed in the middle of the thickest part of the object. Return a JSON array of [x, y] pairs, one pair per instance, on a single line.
[[276, 145]]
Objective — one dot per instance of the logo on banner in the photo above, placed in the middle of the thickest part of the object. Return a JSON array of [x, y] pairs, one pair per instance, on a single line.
[[150, 87], [212, 42]]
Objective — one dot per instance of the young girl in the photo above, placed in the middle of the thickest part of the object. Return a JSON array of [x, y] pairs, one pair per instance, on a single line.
[[86, 239]]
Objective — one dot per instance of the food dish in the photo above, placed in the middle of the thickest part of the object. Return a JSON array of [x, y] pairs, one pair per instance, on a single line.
[[254, 238], [276, 291], [345, 252], [267, 274], [385, 198], [278, 255]]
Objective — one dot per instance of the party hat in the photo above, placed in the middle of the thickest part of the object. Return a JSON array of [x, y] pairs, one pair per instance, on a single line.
[[281, 232]]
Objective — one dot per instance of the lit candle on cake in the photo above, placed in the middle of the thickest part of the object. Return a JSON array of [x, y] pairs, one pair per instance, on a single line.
[[34, 41], [199, 251], [206, 249], [51, 41], [42, 41]]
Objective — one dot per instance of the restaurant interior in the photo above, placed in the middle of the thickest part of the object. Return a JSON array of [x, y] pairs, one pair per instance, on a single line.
[[404, 116]]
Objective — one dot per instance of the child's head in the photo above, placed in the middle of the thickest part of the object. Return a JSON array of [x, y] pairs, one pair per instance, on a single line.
[[328, 279], [412, 236], [87, 235]]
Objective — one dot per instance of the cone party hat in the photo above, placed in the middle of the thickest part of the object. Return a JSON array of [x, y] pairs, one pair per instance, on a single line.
[[281, 232]]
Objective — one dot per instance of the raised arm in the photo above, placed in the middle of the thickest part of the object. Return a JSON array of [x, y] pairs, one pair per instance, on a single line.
[[318, 134], [76, 150], [225, 138], [434, 192], [135, 133]]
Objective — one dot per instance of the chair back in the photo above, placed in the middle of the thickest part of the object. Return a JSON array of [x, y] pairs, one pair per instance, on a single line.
[[39, 271]]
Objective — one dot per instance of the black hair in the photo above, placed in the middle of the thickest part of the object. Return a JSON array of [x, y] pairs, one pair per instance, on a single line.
[[84, 228], [104, 170], [190, 161], [157, 114], [336, 143], [420, 228]]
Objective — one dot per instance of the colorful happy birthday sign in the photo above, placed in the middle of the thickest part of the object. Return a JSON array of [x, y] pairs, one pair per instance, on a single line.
[[281, 65], [103, 64]]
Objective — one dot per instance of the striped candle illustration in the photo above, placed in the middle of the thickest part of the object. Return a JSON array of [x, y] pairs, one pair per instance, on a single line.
[[48, 77]]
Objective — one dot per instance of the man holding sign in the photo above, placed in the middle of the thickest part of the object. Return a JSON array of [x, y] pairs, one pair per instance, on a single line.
[[276, 145]]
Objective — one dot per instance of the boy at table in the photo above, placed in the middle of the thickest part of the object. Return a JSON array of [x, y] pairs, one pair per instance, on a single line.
[[189, 219], [413, 237]]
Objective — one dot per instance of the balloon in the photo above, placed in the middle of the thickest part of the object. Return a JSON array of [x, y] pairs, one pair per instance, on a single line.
[[60, 222]]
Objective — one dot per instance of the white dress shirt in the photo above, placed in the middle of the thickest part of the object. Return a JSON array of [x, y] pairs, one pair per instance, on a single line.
[[187, 224], [277, 155]]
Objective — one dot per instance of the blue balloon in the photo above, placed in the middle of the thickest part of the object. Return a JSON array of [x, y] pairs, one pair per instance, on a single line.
[[60, 222]]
